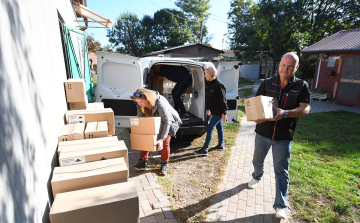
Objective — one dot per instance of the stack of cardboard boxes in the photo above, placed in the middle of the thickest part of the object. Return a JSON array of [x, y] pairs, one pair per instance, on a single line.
[[144, 133], [91, 184]]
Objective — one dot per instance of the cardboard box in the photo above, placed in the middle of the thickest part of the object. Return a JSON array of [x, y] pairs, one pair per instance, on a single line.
[[89, 146], [145, 125], [111, 204], [77, 105], [260, 108], [143, 142], [95, 106], [86, 155], [75, 90], [72, 132], [86, 142], [106, 114], [87, 175], [96, 130]]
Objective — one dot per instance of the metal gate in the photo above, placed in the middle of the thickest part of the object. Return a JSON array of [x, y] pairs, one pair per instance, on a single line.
[[349, 88]]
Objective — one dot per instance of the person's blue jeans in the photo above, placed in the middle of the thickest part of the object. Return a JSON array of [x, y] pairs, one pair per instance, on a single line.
[[214, 121], [177, 91], [281, 158]]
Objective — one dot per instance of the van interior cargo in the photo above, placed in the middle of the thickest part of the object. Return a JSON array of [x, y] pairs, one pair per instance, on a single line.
[[193, 97]]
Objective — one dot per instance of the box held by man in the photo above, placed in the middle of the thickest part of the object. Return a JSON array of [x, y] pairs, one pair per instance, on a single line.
[[260, 108]]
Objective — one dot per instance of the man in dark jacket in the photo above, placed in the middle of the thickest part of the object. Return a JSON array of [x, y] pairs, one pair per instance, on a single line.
[[294, 101], [216, 106], [182, 77]]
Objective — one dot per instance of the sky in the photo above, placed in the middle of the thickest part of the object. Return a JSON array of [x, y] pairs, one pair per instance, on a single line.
[[111, 9]]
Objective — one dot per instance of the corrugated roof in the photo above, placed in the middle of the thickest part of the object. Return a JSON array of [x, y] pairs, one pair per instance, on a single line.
[[347, 40], [176, 47]]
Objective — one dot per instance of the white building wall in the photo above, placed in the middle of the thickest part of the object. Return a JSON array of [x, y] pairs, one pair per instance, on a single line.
[[32, 104]]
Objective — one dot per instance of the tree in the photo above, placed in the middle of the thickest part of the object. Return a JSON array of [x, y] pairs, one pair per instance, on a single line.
[[197, 13], [127, 35], [92, 44]]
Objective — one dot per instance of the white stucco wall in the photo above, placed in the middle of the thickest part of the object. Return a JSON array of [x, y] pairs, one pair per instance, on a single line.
[[32, 104]]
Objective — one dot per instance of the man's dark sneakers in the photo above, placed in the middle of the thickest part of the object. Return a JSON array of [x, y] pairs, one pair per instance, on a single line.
[[184, 117], [202, 151], [163, 168], [219, 147], [141, 165]]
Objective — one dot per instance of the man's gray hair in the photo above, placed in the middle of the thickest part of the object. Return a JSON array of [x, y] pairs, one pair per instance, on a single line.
[[294, 55]]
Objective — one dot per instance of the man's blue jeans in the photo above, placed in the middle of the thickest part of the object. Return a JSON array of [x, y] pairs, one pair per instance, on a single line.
[[214, 121], [281, 158]]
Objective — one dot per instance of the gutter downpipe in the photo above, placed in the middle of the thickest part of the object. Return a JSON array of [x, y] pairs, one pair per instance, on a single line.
[[317, 76]]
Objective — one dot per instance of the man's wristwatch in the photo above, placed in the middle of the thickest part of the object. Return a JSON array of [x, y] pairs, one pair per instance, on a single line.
[[286, 114]]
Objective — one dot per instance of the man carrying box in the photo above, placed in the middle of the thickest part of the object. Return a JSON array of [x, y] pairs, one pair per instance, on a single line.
[[294, 101]]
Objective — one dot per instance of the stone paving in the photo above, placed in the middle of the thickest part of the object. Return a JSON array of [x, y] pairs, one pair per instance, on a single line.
[[234, 202]]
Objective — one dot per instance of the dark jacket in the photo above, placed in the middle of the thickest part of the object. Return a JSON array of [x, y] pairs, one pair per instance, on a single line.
[[296, 92], [170, 120], [216, 97]]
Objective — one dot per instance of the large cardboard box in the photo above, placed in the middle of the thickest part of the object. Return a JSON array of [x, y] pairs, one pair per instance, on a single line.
[[143, 142], [106, 114], [75, 90], [111, 204], [96, 130], [145, 125], [95, 106], [87, 175], [86, 155], [86, 142], [77, 105], [89, 146], [72, 132], [260, 108]]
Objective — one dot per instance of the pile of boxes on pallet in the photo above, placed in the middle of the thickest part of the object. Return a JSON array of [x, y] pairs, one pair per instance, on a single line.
[[91, 184]]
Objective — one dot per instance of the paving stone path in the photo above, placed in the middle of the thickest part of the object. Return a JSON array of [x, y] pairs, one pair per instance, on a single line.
[[234, 202]]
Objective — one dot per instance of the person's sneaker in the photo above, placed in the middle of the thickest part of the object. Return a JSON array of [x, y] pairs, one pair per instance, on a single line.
[[184, 117], [163, 168], [252, 183], [281, 213], [202, 151], [141, 165], [219, 147]]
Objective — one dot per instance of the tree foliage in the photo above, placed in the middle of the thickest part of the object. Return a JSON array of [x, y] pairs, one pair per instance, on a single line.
[[196, 11], [136, 37], [92, 44], [270, 28]]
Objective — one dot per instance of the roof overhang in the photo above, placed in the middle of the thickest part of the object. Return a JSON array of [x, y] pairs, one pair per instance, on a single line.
[[91, 17], [323, 51]]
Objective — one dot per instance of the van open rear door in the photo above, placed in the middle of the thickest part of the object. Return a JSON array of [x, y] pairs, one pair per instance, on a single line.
[[118, 77], [228, 73]]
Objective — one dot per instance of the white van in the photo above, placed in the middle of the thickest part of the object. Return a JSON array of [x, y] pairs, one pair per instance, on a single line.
[[118, 77]]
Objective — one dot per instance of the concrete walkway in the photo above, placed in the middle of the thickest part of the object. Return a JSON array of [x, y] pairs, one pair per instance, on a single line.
[[234, 202]]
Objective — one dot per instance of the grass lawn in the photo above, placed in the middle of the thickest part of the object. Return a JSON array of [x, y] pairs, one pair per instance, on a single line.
[[325, 168]]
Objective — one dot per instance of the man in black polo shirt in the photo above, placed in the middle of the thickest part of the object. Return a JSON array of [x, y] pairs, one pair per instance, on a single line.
[[182, 77], [294, 101]]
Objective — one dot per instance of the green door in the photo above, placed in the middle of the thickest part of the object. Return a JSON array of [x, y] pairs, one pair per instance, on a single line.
[[78, 58]]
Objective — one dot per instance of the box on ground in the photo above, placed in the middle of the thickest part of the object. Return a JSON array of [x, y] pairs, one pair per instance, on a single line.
[[90, 146], [106, 114], [72, 132], [145, 125], [96, 130], [75, 90], [73, 157], [143, 142], [111, 204], [95, 106], [260, 108], [87, 175], [89, 142], [77, 105]]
